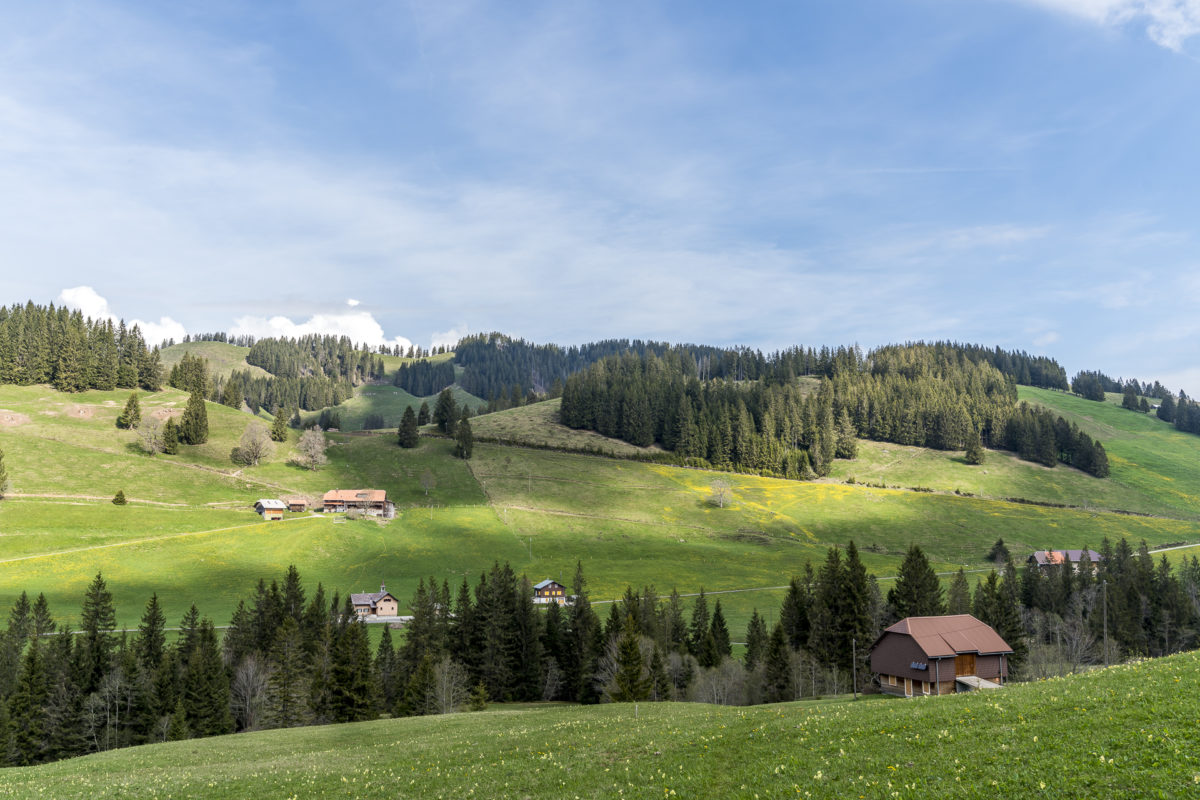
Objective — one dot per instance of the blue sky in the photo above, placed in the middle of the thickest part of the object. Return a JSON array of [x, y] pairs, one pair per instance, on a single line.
[[1012, 172]]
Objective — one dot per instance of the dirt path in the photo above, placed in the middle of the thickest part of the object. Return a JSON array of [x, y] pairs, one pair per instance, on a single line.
[[97, 498]]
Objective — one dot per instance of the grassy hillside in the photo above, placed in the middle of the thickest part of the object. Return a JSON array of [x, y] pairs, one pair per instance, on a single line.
[[1121, 732], [190, 534], [1147, 455], [222, 358], [390, 402], [537, 425]]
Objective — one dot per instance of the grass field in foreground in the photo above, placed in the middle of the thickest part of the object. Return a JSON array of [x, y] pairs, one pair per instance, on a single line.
[[1127, 731]]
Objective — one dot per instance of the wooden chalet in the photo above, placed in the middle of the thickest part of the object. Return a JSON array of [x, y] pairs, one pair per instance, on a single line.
[[1045, 560], [549, 591], [369, 501], [270, 509], [296, 503], [375, 604], [939, 655]]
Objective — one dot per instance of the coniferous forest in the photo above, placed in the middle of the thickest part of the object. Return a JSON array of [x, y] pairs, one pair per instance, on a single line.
[[293, 656], [44, 344]]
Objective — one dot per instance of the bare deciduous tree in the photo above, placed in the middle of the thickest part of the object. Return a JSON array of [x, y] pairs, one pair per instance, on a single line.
[[448, 692], [428, 482], [248, 692], [150, 436], [723, 684], [722, 493], [310, 451], [255, 445]]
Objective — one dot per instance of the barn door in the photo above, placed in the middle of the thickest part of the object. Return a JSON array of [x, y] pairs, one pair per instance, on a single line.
[[964, 664]]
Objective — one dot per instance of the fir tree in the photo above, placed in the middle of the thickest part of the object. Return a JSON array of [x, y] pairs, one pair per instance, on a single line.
[[958, 599], [423, 414], [279, 426], [917, 591], [464, 441], [193, 429], [131, 415], [97, 621], [26, 710], [847, 437], [777, 677], [445, 412], [408, 432], [119, 498], [974, 453], [631, 683], [170, 437], [756, 641], [720, 636]]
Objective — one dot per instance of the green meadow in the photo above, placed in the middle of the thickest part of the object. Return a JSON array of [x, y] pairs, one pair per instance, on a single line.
[[1127, 731], [189, 532], [223, 358]]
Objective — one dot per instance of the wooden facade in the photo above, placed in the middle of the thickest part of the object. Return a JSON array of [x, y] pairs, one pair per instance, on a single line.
[[939, 655], [375, 604], [271, 510], [549, 591]]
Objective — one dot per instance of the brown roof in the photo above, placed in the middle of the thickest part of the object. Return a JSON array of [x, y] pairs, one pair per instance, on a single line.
[[945, 636], [1047, 557], [356, 495]]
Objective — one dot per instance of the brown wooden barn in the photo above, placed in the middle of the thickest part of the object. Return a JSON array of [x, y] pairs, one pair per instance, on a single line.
[[369, 501], [939, 655]]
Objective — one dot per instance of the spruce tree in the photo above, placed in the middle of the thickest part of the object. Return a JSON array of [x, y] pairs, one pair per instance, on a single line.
[[756, 641], [847, 437], [26, 709], [917, 591], [423, 414], [720, 635], [445, 412], [700, 625], [958, 599], [408, 432], [974, 453], [777, 678], [97, 621], [170, 437], [119, 498], [464, 440], [279, 426], [631, 684], [131, 416], [193, 429]]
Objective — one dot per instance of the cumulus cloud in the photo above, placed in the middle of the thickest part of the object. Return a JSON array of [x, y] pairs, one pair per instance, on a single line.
[[90, 303], [352, 302], [359, 326], [1168, 22], [451, 337]]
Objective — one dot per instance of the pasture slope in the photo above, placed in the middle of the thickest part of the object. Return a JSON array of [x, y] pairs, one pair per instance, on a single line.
[[1126, 731], [189, 534]]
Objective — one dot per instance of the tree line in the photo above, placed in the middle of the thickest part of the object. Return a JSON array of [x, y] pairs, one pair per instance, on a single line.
[[290, 657], [921, 395], [44, 344]]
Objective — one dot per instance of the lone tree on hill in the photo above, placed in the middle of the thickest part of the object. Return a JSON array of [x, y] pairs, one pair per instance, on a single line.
[[170, 437], [721, 493], [279, 426], [408, 433], [428, 482], [254, 446], [193, 429], [131, 416], [119, 498], [310, 452]]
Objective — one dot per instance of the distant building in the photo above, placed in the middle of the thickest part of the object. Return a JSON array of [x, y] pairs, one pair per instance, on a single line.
[[375, 604], [549, 591], [296, 503], [369, 501], [939, 655], [270, 509], [1045, 559]]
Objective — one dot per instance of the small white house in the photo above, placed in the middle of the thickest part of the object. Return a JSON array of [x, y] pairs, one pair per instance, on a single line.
[[271, 509]]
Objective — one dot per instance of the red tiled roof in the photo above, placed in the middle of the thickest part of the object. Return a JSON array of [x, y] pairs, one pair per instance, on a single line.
[[356, 495], [945, 636]]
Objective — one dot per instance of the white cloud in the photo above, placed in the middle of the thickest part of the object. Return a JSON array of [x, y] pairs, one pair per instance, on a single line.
[[451, 337], [352, 302], [1168, 22], [360, 326], [1047, 338], [88, 301]]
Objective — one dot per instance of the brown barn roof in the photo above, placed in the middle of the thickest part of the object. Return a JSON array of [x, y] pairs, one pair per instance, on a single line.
[[1045, 558], [945, 636]]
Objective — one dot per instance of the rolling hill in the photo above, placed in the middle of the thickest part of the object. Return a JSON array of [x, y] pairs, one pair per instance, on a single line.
[[1119, 732]]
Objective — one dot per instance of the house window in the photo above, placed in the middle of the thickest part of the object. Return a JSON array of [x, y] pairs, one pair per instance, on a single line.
[[891, 680]]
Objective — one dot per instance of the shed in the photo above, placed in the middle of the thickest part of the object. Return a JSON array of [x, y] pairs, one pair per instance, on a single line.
[[296, 503], [939, 655], [270, 509]]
